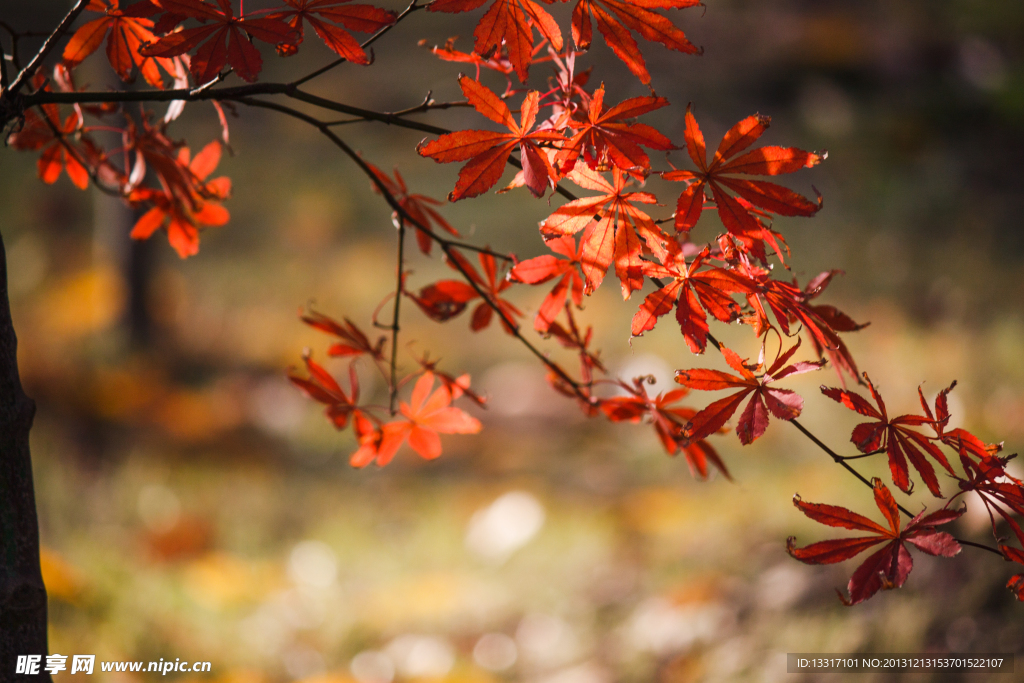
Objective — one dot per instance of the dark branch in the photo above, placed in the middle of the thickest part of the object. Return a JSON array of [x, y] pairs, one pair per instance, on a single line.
[[48, 45]]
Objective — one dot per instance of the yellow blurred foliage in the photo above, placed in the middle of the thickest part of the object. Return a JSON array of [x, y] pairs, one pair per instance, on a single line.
[[424, 598], [470, 675], [658, 510], [685, 668], [83, 303], [329, 678], [62, 581], [219, 580], [235, 676], [697, 590]]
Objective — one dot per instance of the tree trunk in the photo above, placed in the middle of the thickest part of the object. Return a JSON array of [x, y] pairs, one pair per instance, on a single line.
[[22, 594]]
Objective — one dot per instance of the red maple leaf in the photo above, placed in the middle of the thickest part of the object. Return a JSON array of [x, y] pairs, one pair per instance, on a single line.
[[181, 221], [764, 399], [612, 229], [51, 136], [835, 320], [668, 421], [126, 31], [354, 341], [888, 567], [444, 299], [959, 439], [488, 151], [508, 22], [789, 304], [369, 435], [894, 436], [606, 138], [425, 417], [571, 337], [185, 210], [322, 387], [492, 285], [456, 386], [419, 206], [719, 175], [226, 41], [497, 61], [568, 92], [1016, 582], [543, 268], [155, 151], [691, 291], [997, 490], [324, 15], [615, 19]]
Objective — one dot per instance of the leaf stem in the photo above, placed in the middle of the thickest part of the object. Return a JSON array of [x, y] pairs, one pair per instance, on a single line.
[[393, 398]]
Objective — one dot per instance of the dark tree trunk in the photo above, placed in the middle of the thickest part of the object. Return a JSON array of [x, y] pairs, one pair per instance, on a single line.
[[22, 594]]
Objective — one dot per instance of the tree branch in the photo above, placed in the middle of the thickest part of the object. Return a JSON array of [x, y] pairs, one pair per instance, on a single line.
[[22, 593], [48, 45], [239, 93]]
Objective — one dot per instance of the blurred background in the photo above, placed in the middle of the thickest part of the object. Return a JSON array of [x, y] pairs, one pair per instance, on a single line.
[[194, 505]]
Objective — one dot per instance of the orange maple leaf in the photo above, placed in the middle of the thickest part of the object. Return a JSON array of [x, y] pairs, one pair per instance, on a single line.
[[425, 417], [508, 22], [613, 229], [488, 151], [604, 137], [771, 160], [615, 19]]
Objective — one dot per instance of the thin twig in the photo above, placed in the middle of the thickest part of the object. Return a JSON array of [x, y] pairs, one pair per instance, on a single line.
[[48, 45], [232, 93], [862, 455], [73, 152], [15, 37], [369, 41], [212, 82], [429, 105], [394, 320], [3, 70], [982, 546], [840, 460]]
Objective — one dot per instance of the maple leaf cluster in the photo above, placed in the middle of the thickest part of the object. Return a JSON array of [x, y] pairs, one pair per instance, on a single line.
[[418, 422], [729, 279], [155, 39], [889, 567], [561, 136], [900, 439], [195, 43]]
